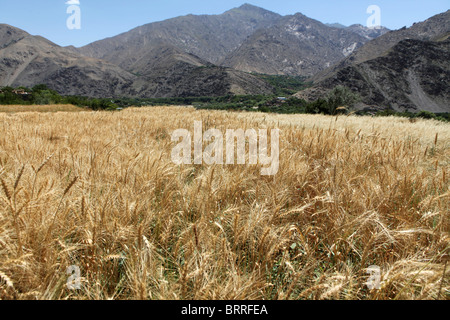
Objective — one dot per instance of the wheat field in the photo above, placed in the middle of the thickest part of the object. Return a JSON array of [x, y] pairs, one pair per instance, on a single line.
[[98, 190], [40, 108]]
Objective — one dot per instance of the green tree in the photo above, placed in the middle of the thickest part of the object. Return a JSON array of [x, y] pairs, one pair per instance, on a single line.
[[426, 115], [46, 97], [341, 97], [8, 97], [318, 106], [40, 87]]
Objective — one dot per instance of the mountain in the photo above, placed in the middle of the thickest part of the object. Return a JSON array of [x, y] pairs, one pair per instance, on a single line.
[[211, 55], [429, 29], [413, 75], [210, 37], [27, 60], [248, 38], [368, 33], [10, 35], [336, 25], [167, 71], [295, 45]]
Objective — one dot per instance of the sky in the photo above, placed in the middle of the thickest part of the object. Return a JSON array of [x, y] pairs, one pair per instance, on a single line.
[[99, 19]]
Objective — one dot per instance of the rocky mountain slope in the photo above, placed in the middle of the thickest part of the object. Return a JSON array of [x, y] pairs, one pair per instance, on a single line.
[[247, 38], [368, 33], [296, 45], [413, 75], [210, 37], [166, 71], [429, 29], [27, 60], [211, 55]]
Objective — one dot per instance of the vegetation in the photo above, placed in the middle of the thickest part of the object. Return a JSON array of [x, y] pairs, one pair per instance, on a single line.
[[99, 191], [338, 101], [42, 95], [285, 85], [445, 117]]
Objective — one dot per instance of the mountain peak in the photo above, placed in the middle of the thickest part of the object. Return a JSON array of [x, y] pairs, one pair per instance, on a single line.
[[6, 28], [252, 9], [248, 6], [10, 35], [336, 25]]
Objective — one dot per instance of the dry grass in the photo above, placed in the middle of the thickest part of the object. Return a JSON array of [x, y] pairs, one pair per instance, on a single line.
[[40, 108], [98, 190]]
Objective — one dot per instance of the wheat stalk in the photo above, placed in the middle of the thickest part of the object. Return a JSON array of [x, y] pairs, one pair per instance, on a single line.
[[351, 192]]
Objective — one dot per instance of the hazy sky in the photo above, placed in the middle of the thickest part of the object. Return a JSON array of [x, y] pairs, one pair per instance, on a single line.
[[106, 18]]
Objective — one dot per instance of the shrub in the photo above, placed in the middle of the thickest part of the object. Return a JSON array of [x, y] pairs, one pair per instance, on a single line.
[[341, 97], [426, 115], [46, 97]]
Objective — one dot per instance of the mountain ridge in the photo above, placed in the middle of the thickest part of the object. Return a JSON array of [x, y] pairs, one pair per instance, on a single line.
[[209, 37], [211, 55], [222, 39], [426, 30], [27, 60], [413, 75], [295, 45]]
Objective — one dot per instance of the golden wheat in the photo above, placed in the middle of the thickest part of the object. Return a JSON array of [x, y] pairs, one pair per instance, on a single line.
[[40, 108], [351, 192]]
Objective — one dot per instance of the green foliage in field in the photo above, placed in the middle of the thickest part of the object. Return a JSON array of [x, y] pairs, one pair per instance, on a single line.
[[339, 101], [285, 85], [42, 95], [445, 117]]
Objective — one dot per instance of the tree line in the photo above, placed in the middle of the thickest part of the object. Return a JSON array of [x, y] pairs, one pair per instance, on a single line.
[[42, 95], [338, 101]]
